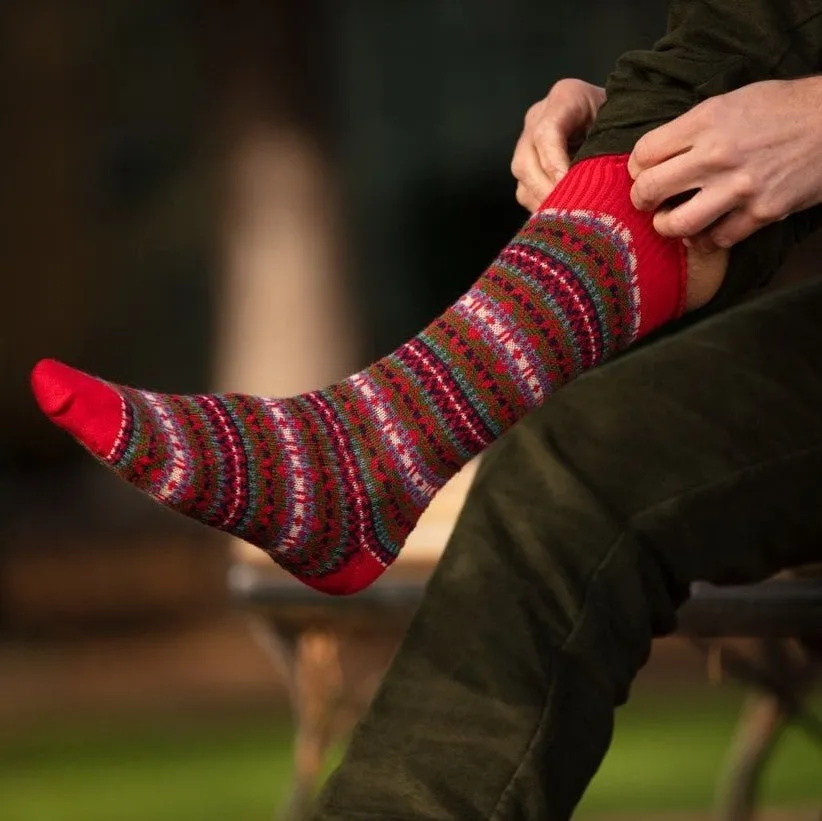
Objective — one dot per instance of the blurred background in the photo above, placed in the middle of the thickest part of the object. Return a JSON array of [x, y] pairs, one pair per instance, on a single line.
[[258, 196]]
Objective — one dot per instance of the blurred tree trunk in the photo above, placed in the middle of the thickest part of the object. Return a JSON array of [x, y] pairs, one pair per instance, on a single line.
[[284, 323]]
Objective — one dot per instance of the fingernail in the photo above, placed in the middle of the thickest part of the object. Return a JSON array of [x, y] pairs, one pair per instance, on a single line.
[[688, 243]]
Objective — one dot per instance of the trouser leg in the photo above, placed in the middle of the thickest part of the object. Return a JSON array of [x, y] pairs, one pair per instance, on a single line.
[[698, 457]]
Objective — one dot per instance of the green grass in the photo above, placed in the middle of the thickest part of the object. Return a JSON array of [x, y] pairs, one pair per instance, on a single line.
[[163, 772], [666, 756]]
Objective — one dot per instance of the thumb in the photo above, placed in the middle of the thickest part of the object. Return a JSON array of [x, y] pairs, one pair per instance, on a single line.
[[552, 150]]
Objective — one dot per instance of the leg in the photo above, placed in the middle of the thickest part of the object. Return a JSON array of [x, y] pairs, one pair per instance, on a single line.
[[696, 458], [330, 483]]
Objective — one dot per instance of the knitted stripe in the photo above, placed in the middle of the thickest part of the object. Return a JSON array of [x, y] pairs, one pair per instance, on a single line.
[[498, 347]]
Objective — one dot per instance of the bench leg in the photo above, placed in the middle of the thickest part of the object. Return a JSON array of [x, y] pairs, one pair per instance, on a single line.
[[783, 673], [760, 727], [309, 663]]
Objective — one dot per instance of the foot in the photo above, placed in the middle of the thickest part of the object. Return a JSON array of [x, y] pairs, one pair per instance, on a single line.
[[330, 483]]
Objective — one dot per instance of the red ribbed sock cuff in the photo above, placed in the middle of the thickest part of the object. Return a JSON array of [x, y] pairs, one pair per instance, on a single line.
[[602, 185]]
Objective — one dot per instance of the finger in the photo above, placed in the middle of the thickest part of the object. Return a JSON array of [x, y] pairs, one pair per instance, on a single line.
[[703, 241], [693, 216], [528, 170], [670, 178], [552, 138], [552, 153], [526, 199], [662, 143], [733, 228]]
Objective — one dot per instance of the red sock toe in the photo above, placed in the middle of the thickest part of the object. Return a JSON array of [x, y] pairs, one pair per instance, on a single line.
[[85, 407]]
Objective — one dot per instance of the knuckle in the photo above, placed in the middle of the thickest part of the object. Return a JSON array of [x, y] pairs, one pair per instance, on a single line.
[[644, 192], [708, 112], [711, 115], [565, 85], [643, 151], [533, 113], [764, 211], [744, 184], [719, 154]]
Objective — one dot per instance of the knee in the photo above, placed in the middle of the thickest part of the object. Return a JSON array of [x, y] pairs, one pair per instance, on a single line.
[[592, 587]]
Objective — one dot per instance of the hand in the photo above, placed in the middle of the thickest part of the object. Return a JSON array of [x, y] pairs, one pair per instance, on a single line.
[[554, 127], [753, 156]]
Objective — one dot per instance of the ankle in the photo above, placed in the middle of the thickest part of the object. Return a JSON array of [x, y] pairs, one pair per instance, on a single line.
[[705, 273]]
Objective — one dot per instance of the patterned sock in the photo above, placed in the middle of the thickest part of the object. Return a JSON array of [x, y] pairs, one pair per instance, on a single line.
[[330, 483]]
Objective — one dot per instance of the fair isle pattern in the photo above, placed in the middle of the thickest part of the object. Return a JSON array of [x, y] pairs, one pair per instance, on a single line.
[[319, 478]]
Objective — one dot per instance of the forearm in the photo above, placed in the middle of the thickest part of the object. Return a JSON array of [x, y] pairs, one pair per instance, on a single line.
[[713, 47]]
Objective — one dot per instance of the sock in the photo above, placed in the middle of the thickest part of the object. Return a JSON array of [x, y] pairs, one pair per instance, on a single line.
[[330, 483]]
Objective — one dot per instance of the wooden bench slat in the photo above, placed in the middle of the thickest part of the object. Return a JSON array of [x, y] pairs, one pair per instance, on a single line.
[[774, 608]]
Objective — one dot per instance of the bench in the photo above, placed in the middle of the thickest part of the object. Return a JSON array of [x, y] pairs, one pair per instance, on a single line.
[[332, 651]]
